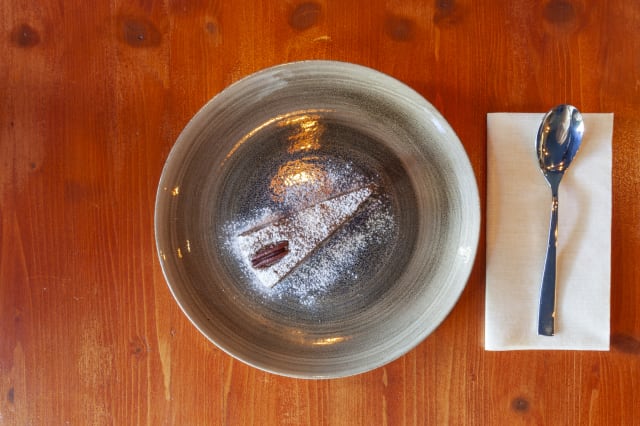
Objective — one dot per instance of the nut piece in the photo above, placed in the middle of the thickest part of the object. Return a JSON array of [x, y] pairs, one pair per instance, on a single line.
[[270, 254]]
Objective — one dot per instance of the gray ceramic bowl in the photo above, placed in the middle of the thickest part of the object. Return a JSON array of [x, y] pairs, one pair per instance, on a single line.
[[378, 199]]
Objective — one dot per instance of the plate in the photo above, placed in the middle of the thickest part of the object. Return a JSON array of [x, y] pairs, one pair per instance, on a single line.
[[317, 219]]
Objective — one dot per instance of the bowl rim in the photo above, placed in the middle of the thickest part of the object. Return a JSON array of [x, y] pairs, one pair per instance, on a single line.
[[356, 72]]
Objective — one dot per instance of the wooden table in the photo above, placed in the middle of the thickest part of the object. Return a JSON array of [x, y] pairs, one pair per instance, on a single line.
[[93, 96]]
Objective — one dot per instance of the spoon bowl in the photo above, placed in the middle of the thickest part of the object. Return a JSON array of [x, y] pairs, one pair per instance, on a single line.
[[559, 139], [557, 143]]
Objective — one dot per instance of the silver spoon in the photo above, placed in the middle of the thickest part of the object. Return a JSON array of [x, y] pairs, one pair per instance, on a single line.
[[557, 143]]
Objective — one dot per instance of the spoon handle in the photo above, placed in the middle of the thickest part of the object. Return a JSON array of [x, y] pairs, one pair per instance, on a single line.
[[547, 312]]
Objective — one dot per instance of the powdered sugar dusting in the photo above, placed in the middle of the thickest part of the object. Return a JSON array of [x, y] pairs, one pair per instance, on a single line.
[[303, 230], [336, 261], [334, 224]]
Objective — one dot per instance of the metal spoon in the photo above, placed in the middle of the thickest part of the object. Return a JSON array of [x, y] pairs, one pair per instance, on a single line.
[[557, 143]]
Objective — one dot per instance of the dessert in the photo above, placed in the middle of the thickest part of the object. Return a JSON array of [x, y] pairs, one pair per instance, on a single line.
[[276, 247]]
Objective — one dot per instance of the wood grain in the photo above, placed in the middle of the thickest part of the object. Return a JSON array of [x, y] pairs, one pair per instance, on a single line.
[[93, 97]]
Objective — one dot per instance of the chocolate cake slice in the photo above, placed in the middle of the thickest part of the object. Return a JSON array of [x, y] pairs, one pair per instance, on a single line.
[[275, 248]]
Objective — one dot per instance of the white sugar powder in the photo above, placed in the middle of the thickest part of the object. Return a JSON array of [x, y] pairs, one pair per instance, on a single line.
[[303, 230], [337, 262], [326, 239]]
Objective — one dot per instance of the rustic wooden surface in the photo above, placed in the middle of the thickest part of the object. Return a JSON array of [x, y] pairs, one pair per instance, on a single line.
[[92, 97]]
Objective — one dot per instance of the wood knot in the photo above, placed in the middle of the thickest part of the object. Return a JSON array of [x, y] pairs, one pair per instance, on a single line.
[[625, 343], [561, 15], [138, 348], [139, 32], [211, 28], [399, 28], [305, 16], [559, 11], [520, 404], [445, 5], [25, 36], [447, 12]]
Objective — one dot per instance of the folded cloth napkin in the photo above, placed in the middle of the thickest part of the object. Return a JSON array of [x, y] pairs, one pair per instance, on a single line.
[[518, 213]]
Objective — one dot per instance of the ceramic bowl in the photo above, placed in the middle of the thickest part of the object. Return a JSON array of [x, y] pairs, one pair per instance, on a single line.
[[379, 202]]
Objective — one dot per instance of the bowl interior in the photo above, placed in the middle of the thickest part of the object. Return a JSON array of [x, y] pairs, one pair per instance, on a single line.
[[291, 137]]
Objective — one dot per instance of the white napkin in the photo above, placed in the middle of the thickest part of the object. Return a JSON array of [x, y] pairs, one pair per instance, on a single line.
[[518, 209]]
